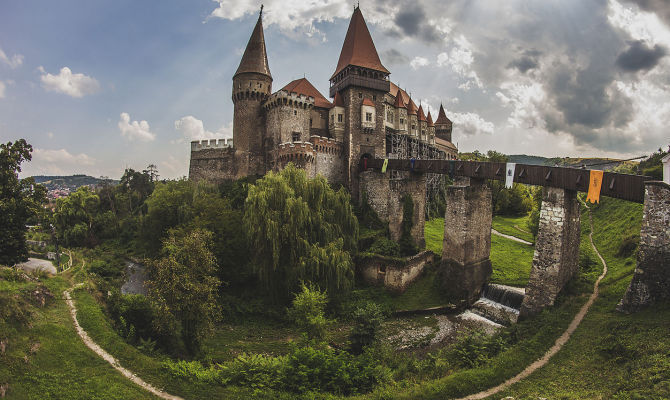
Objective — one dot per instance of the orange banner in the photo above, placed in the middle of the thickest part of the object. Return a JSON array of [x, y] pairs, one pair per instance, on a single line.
[[595, 184]]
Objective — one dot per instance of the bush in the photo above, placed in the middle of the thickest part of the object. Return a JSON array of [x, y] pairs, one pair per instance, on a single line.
[[308, 313], [134, 315], [105, 269], [385, 247], [476, 349], [368, 319], [254, 371]]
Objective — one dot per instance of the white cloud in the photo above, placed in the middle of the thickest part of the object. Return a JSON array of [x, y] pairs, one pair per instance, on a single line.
[[418, 62], [194, 129], [75, 85], [470, 123], [460, 59], [14, 62], [2, 90], [643, 26], [526, 102], [57, 162], [135, 130]]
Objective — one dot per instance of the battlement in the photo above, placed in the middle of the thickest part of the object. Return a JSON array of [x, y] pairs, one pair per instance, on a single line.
[[326, 145], [206, 144], [284, 98], [296, 151]]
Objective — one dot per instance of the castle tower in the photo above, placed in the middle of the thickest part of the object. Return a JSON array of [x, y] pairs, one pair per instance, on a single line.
[[443, 125], [362, 81], [252, 84]]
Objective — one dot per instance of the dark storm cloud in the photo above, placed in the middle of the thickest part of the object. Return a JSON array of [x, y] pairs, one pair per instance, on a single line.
[[660, 7], [393, 57], [412, 21], [527, 61], [640, 57]]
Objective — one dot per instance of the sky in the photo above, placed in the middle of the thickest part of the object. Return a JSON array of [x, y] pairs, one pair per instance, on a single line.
[[97, 87]]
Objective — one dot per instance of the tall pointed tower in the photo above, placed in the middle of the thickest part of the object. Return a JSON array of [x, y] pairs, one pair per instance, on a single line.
[[361, 81], [252, 84]]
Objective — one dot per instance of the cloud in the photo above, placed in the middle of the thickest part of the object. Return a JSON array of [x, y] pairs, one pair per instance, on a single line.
[[14, 62], [640, 57], [412, 21], [527, 61], [660, 7], [75, 85], [418, 62], [2, 89], [469, 124], [135, 130], [194, 129], [393, 57], [460, 59], [57, 162]]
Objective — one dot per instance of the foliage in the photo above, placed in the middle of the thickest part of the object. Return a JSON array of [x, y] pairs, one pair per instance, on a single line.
[[384, 246], [406, 242], [367, 320], [368, 216], [477, 348], [20, 200], [168, 206], [534, 219], [135, 316], [652, 166], [308, 312], [183, 288], [300, 230]]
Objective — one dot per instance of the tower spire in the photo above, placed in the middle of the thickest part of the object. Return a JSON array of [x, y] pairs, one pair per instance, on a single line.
[[255, 58]]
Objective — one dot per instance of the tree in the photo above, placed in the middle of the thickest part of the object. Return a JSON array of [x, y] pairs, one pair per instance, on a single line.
[[183, 288], [20, 199], [367, 319], [300, 229], [78, 215], [308, 312], [168, 206]]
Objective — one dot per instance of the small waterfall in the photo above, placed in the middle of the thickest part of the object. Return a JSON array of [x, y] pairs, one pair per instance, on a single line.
[[499, 304]]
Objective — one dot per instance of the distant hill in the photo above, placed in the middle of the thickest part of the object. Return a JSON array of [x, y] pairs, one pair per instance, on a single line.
[[590, 162], [71, 182]]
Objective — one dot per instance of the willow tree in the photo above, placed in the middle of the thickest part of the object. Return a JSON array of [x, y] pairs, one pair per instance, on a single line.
[[300, 229]]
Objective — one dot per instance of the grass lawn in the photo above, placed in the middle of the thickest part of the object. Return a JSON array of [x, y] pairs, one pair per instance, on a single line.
[[513, 226], [511, 260]]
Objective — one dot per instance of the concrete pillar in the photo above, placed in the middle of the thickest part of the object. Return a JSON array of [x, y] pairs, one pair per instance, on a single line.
[[465, 265], [556, 255], [651, 281]]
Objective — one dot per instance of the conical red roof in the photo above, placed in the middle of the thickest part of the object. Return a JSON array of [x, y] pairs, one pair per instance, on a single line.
[[255, 58], [337, 101], [420, 115], [411, 107], [442, 117], [430, 119], [358, 48], [304, 87], [399, 103]]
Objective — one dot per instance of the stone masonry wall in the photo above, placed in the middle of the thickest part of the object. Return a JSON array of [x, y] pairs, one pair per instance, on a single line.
[[465, 265], [385, 197], [395, 275], [556, 255], [651, 281], [214, 165]]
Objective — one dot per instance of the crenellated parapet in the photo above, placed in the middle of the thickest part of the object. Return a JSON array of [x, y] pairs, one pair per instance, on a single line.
[[284, 98], [296, 152], [198, 145], [326, 145]]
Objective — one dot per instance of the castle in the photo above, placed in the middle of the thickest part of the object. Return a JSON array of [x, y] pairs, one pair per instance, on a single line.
[[369, 117]]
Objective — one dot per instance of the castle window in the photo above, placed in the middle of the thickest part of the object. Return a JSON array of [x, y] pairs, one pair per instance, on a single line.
[[310, 122], [368, 117], [296, 136], [360, 95], [295, 112], [339, 117], [402, 121]]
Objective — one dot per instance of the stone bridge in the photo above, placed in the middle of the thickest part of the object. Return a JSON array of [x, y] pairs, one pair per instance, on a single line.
[[465, 261]]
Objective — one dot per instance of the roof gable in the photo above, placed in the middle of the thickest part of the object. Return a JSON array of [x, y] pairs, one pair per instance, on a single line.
[[255, 58], [304, 87]]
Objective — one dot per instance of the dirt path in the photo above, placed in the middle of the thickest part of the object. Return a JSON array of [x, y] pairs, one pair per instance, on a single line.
[[559, 342], [510, 237], [108, 357]]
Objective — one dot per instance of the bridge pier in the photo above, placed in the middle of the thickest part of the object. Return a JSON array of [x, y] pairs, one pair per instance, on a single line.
[[556, 255], [465, 265], [651, 281]]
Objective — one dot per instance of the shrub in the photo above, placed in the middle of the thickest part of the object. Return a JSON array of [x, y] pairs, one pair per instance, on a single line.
[[367, 320], [476, 349], [254, 370], [308, 313], [385, 247]]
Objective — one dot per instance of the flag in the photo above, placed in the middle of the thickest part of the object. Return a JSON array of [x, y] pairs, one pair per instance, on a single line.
[[595, 184], [386, 164], [509, 175]]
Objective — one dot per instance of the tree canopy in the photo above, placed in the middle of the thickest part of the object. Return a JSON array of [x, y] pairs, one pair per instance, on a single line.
[[20, 199], [300, 229]]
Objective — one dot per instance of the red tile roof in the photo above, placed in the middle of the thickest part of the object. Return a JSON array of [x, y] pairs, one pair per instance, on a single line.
[[442, 117], [255, 58], [444, 143], [304, 87], [368, 102], [399, 103], [393, 91], [420, 115], [411, 108], [358, 48], [337, 101], [430, 119]]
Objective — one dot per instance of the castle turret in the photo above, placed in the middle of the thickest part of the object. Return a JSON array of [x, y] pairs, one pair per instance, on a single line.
[[413, 123], [252, 84], [430, 129], [443, 125], [422, 123]]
